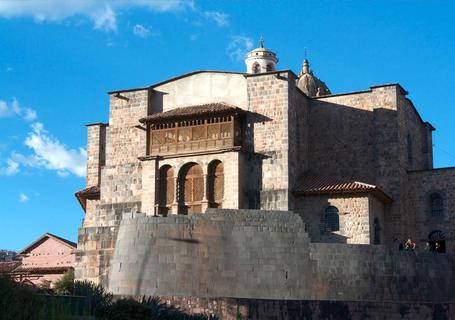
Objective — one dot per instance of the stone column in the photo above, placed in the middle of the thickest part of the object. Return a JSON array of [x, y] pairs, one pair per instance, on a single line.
[[205, 202], [175, 204]]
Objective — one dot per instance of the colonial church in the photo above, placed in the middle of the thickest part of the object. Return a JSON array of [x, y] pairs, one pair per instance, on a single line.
[[356, 168]]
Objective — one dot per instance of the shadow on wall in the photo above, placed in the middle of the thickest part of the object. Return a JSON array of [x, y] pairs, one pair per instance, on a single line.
[[346, 142], [324, 225], [156, 101], [254, 162]]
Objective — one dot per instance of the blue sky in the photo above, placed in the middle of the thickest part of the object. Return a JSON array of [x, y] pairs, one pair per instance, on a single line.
[[59, 58]]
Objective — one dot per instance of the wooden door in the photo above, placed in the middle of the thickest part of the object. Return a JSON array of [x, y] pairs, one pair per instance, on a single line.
[[166, 190], [191, 189], [216, 184]]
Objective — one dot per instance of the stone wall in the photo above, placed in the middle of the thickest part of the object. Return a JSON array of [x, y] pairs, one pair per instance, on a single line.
[[266, 255], [95, 246], [256, 309], [356, 214], [96, 152], [269, 104], [420, 185], [358, 136], [299, 130]]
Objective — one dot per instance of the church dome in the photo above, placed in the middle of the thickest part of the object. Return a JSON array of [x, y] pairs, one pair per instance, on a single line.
[[310, 84], [261, 59]]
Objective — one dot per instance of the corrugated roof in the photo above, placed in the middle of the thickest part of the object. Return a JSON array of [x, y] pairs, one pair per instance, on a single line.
[[198, 110], [314, 185]]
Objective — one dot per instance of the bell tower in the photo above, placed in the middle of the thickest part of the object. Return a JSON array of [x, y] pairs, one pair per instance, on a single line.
[[261, 59]]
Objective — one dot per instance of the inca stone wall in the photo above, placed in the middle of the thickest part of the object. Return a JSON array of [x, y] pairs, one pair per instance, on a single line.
[[266, 255], [256, 309]]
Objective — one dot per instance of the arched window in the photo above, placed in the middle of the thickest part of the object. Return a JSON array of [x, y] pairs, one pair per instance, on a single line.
[[166, 189], [269, 67], [215, 181], [377, 231], [191, 189], [256, 68], [436, 204], [331, 220]]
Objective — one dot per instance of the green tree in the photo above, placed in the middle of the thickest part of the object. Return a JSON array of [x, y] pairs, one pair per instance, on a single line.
[[65, 285]]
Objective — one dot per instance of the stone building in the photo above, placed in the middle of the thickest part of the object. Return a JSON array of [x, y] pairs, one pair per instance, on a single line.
[[279, 165]]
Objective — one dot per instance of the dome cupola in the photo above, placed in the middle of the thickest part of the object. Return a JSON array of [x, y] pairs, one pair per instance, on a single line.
[[310, 84], [261, 59]]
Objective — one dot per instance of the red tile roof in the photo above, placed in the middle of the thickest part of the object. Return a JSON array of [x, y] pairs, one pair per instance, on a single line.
[[317, 185], [193, 111], [42, 270], [7, 267]]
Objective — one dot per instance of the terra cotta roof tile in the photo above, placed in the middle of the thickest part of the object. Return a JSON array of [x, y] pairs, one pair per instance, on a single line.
[[314, 185], [192, 111]]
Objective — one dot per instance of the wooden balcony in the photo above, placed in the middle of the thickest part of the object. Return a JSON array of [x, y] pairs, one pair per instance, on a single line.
[[194, 136]]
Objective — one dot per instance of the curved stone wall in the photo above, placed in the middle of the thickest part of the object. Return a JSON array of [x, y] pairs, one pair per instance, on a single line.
[[266, 255]]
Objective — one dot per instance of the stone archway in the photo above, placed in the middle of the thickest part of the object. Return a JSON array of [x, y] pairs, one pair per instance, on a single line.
[[191, 189], [215, 184], [166, 190]]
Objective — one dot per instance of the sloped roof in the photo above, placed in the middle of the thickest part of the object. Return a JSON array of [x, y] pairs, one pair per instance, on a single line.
[[90, 193], [42, 270], [43, 238], [217, 108], [7, 267], [318, 185]]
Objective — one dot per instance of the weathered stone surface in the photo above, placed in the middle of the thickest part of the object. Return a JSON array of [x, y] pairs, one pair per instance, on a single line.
[[266, 255]]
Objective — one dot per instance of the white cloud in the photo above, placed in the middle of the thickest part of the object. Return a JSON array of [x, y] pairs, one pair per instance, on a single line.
[[220, 18], [102, 13], [12, 167], [238, 47], [14, 109], [30, 114], [141, 31], [23, 197], [105, 20], [49, 153]]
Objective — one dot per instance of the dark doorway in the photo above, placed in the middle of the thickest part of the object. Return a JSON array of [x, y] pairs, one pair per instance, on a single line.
[[437, 241]]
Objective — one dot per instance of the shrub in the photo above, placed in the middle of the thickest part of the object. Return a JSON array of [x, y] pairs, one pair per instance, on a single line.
[[128, 309], [98, 299], [65, 285]]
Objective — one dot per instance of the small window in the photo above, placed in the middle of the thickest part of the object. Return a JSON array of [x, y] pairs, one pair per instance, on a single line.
[[269, 68], [437, 205], [331, 220]]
